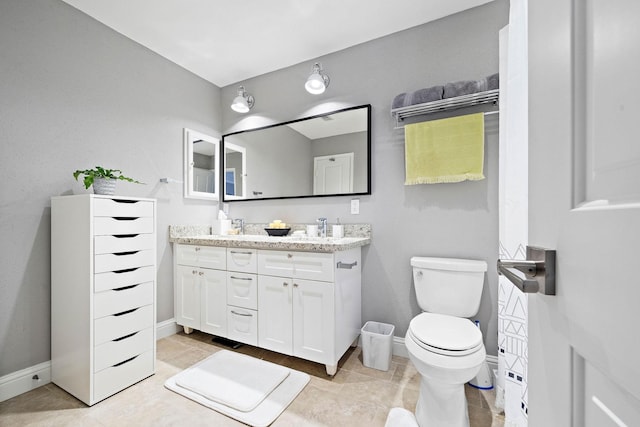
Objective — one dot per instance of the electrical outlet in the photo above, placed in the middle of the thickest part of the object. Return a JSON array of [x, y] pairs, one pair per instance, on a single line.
[[355, 206]]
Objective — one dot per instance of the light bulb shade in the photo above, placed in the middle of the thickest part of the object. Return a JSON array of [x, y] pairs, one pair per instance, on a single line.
[[243, 102], [317, 82]]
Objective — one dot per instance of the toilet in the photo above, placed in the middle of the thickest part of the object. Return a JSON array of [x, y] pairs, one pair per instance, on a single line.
[[443, 344]]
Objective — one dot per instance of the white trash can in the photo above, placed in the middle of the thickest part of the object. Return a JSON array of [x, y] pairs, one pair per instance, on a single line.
[[377, 345]]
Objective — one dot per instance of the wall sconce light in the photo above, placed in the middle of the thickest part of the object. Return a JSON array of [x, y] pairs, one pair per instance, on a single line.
[[317, 81], [243, 102]]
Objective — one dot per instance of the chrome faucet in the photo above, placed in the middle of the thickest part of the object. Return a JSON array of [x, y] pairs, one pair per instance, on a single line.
[[238, 223], [322, 226]]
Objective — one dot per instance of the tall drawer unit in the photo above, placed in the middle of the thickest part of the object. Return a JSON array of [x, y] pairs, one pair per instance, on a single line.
[[103, 293], [242, 295]]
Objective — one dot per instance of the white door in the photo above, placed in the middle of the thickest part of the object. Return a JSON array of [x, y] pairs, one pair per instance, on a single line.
[[187, 297], [333, 174], [584, 201], [274, 308], [213, 300], [313, 320]]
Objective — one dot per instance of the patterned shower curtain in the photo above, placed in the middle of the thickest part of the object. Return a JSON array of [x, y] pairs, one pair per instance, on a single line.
[[511, 384]]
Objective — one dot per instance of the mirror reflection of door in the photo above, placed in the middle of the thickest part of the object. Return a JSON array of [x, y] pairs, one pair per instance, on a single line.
[[235, 167], [201, 165], [333, 174]]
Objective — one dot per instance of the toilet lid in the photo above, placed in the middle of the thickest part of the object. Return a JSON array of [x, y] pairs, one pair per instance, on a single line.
[[445, 334]]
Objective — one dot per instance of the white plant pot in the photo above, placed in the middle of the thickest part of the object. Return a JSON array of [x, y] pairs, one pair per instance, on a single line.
[[104, 186]]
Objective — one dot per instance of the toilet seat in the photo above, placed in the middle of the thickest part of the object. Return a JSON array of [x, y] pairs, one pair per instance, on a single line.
[[445, 335]]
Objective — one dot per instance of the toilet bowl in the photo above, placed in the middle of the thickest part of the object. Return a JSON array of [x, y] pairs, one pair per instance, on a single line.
[[443, 344], [447, 351]]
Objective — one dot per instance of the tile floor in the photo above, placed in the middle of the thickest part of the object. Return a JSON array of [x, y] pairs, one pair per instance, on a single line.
[[355, 396]]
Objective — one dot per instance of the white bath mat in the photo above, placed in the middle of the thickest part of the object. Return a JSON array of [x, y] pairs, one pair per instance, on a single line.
[[250, 390]]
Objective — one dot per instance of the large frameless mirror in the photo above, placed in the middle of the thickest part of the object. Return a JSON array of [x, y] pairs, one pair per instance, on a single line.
[[319, 156], [201, 167]]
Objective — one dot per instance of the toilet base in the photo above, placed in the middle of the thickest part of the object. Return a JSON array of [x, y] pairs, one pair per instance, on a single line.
[[441, 404]]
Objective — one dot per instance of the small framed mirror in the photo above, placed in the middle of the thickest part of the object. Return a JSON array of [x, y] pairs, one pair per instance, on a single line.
[[201, 165]]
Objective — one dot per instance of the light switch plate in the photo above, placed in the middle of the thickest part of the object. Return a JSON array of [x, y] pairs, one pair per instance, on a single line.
[[355, 206]]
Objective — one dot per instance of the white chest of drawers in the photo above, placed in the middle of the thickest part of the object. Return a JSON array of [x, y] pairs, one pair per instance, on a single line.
[[103, 292]]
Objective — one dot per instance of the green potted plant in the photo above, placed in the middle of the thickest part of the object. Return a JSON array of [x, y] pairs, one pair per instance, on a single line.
[[103, 180]]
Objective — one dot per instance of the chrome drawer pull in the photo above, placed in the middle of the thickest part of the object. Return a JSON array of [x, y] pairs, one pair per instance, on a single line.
[[124, 361], [240, 252], [125, 337], [125, 312], [242, 314], [241, 278], [347, 266]]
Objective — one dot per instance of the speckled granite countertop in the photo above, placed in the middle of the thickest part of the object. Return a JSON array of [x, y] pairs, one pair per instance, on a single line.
[[356, 235]]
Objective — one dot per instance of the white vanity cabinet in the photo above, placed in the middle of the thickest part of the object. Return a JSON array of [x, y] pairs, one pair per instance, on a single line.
[[103, 292], [201, 288], [309, 303]]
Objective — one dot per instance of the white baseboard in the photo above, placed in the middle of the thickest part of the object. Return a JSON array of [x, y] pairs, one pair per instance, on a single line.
[[23, 381], [167, 328]]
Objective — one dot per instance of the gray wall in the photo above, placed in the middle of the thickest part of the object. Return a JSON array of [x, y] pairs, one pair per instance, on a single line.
[[449, 220], [75, 94]]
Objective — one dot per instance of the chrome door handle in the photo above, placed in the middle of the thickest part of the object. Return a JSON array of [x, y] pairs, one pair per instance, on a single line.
[[539, 271]]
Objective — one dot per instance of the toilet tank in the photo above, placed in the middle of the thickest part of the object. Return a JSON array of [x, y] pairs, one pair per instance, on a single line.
[[448, 285]]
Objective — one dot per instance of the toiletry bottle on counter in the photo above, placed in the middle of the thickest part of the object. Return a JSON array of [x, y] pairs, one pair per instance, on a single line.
[[337, 230]]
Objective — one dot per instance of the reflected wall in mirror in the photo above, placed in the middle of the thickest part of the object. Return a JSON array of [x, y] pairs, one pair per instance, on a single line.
[[201, 165], [323, 155]]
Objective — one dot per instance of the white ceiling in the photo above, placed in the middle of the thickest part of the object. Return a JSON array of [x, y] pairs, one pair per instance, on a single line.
[[227, 41]]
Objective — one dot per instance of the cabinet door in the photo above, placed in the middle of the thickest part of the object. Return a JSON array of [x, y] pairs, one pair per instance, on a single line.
[[213, 300], [274, 308], [187, 297], [313, 320]]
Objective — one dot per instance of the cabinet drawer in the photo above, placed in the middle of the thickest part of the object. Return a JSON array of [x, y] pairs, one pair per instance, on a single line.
[[202, 256], [122, 207], [118, 325], [243, 260], [113, 352], [123, 243], [299, 265], [120, 225], [122, 299], [242, 325], [113, 379], [123, 260], [242, 290], [121, 278]]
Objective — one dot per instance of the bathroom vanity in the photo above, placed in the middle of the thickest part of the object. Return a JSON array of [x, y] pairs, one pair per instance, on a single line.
[[103, 293], [296, 297]]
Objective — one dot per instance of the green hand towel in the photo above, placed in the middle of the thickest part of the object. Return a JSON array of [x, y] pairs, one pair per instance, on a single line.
[[447, 150]]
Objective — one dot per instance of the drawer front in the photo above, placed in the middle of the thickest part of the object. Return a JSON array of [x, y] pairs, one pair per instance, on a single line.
[[122, 207], [113, 352], [113, 379], [119, 325], [112, 225], [242, 325], [300, 265], [313, 266], [202, 256], [242, 260], [242, 290], [275, 263], [124, 260], [123, 243], [120, 279], [122, 299]]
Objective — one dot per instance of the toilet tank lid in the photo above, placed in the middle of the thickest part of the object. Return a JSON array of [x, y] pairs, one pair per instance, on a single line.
[[452, 264]]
